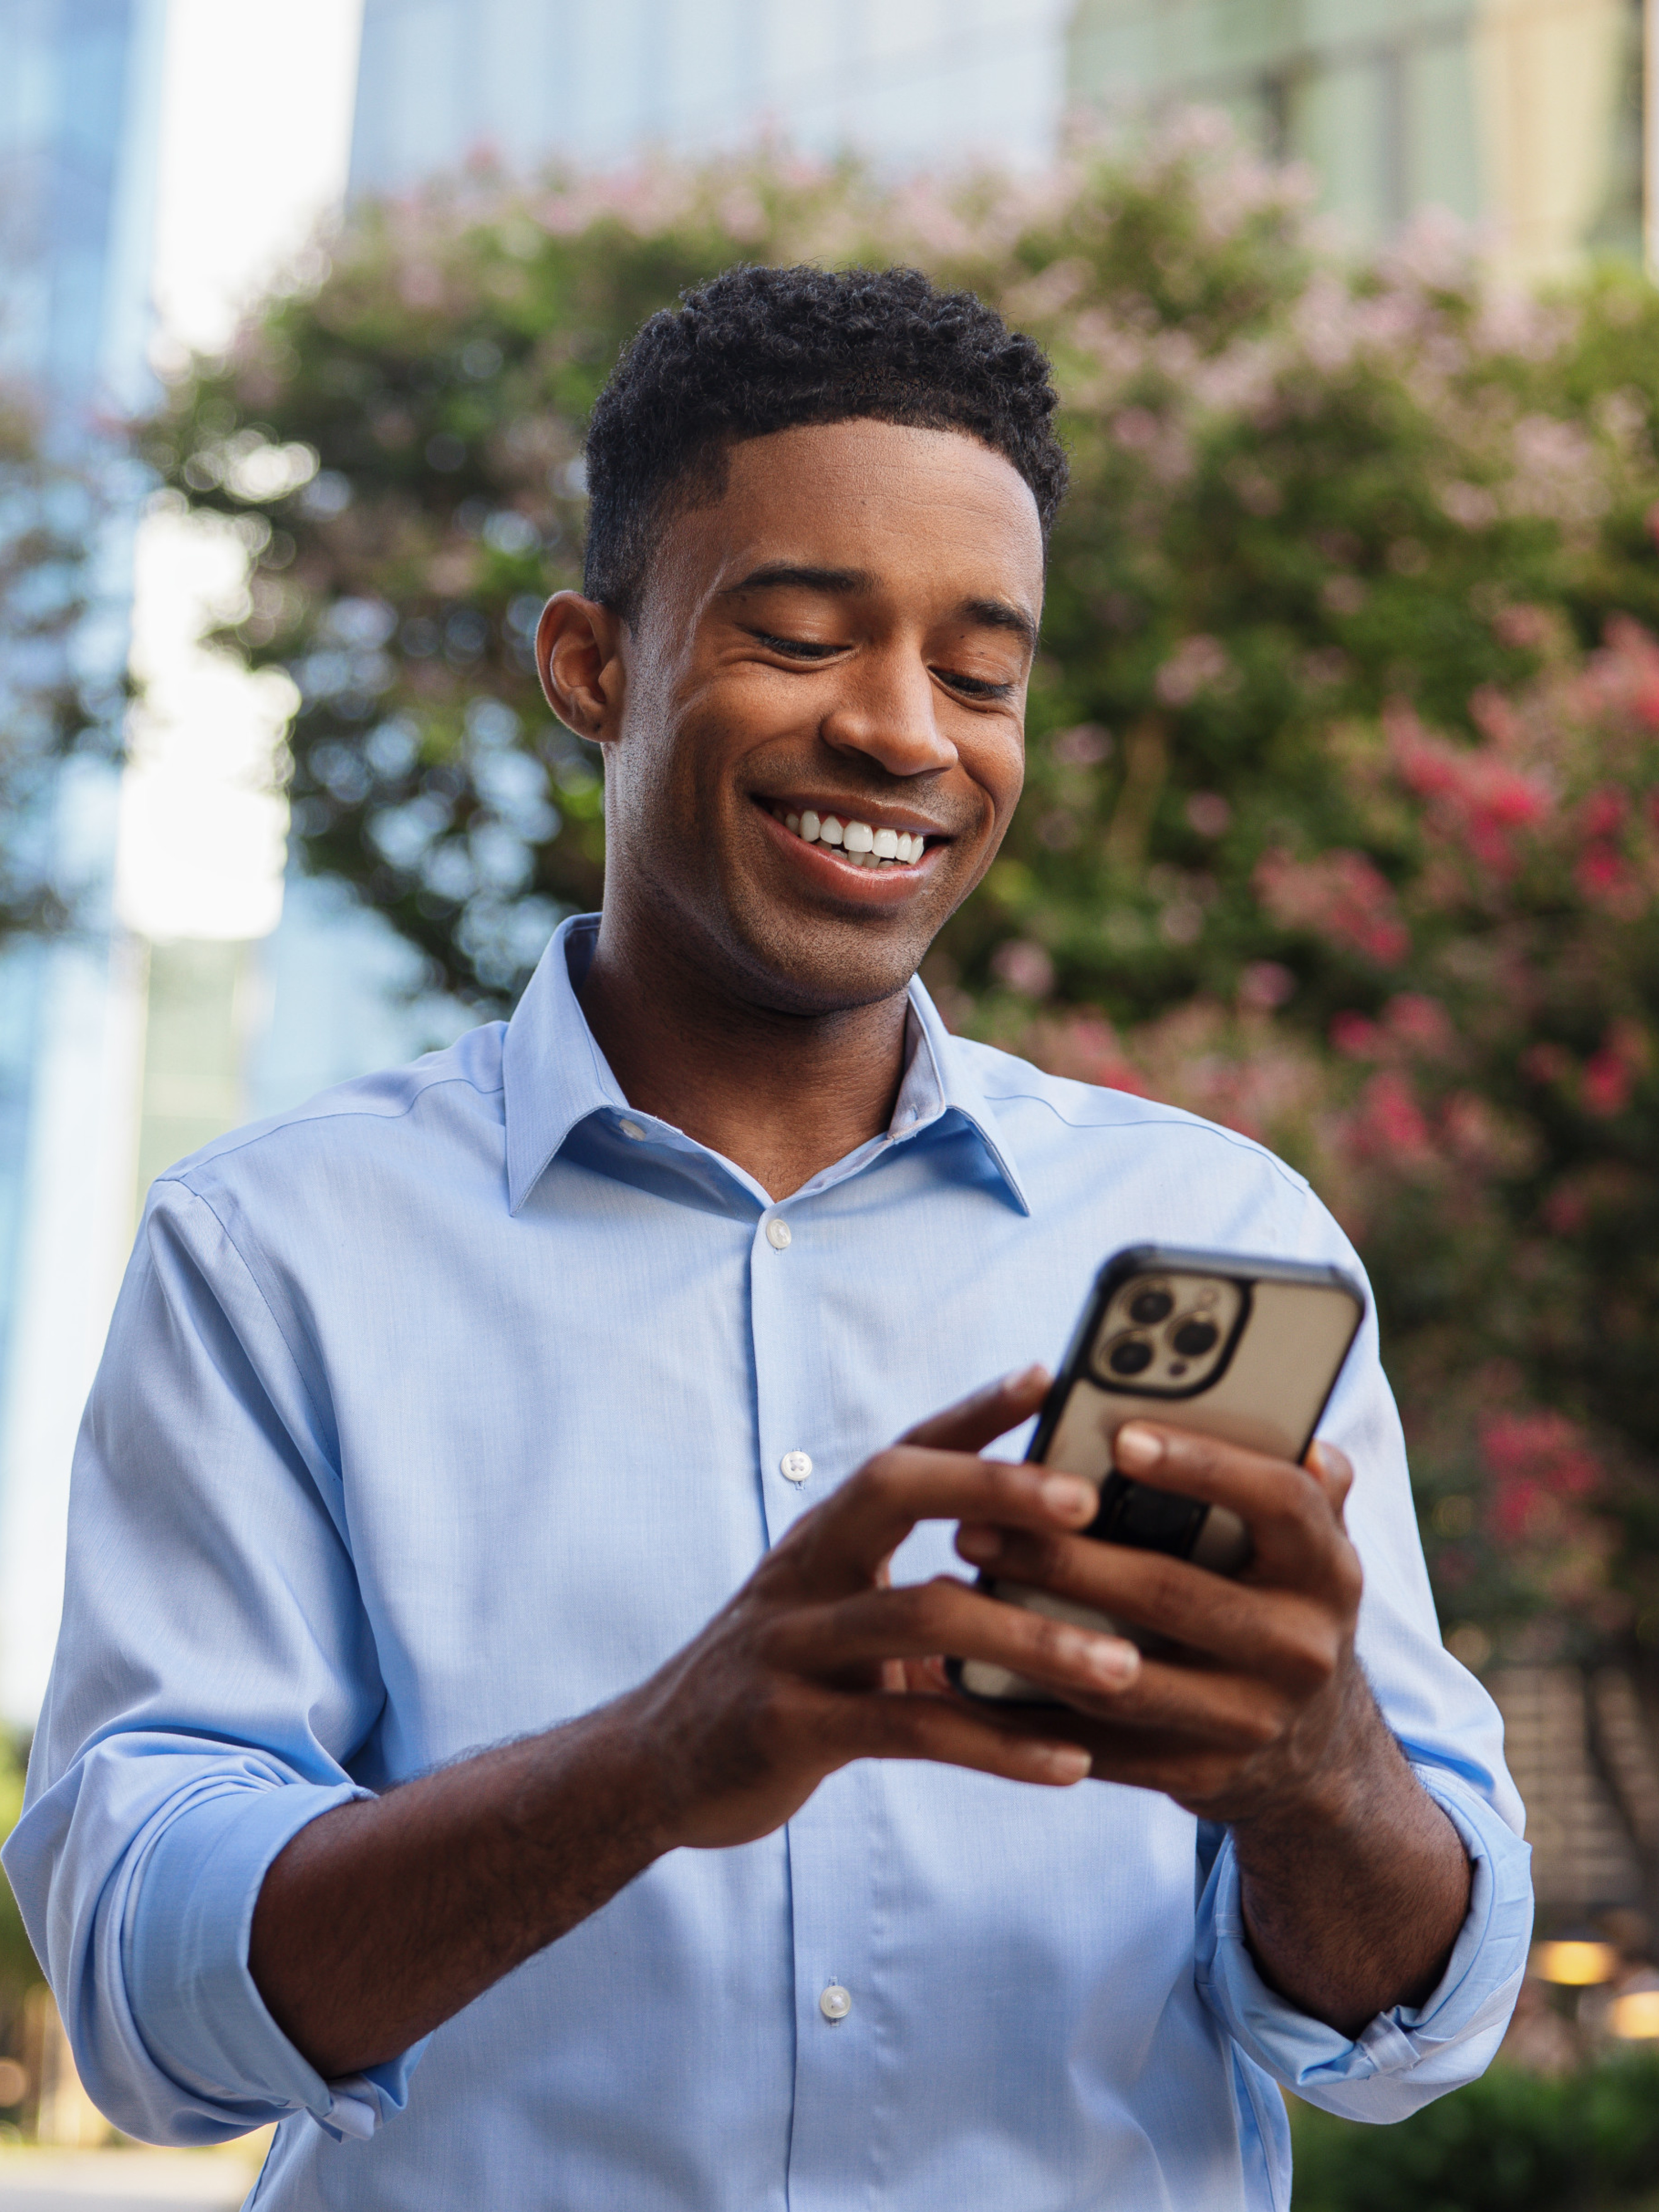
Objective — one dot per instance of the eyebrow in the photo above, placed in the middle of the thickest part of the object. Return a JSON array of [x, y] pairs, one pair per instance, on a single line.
[[843, 583], [777, 575], [1001, 614]]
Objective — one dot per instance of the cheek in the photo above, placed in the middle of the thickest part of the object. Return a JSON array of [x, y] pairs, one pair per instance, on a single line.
[[998, 767]]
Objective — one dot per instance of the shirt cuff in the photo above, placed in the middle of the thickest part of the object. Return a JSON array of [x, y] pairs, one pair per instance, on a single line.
[[185, 1950], [1408, 2056]]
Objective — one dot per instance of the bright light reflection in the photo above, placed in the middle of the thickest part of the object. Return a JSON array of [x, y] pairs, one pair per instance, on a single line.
[[256, 128], [1575, 1966], [203, 830], [1635, 2017]]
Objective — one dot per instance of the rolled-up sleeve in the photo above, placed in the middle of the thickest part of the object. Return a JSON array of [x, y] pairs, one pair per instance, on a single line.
[[1452, 1734], [214, 1674], [1408, 2056]]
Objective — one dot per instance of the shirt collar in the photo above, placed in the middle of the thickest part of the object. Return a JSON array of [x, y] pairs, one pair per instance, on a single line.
[[554, 1076]]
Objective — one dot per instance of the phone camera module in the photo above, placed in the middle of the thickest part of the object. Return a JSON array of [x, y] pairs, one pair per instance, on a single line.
[[1130, 1355], [1150, 1306], [1194, 1338]]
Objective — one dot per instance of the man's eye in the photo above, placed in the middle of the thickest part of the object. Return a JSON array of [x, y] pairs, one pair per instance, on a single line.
[[973, 687], [798, 648]]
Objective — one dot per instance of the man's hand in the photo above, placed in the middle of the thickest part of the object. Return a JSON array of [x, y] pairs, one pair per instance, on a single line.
[[383, 1917], [1355, 1883], [818, 1660]]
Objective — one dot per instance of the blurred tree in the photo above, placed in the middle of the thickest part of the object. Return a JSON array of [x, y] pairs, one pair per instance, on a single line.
[[1340, 538], [1484, 1113], [51, 704], [1300, 490]]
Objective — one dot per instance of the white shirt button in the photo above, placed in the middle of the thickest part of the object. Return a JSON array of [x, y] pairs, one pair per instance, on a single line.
[[795, 1466], [836, 2003], [777, 1235], [632, 1129]]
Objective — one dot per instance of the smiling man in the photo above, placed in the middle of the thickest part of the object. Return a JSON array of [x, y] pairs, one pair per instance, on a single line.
[[540, 1397]]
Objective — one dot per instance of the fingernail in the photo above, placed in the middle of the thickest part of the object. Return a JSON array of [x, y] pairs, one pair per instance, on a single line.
[[1111, 1660], [1067, 1497], [1025, 1378], [1136, 1449], [1066, 1762], [978, 1543]]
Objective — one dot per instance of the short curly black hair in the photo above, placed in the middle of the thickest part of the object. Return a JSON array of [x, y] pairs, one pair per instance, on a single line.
[[763, 350]]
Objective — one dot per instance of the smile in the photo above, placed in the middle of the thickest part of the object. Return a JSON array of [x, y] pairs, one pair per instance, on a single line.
[[859, 842]]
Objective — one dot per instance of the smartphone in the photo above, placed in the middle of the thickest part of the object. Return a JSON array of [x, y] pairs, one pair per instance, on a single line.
[[1243, 1349]]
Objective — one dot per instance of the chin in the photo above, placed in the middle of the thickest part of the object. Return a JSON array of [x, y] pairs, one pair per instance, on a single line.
[[803, 968]]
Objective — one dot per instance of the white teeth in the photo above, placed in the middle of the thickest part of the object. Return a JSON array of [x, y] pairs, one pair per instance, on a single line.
[[860, 842]]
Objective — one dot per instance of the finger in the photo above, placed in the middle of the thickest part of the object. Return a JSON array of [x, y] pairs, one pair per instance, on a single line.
[[1201, 1777], [950, 1733], [847, 1636], [974, 1422], [1289, 1637], [1333, 1472], [1222, 1711], [840, 1545], [1290, 1516]]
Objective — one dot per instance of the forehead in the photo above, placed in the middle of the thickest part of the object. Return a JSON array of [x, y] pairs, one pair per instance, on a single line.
[[904, 506]]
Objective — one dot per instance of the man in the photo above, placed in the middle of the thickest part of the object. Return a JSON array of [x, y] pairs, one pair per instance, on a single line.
[[539, 1396]]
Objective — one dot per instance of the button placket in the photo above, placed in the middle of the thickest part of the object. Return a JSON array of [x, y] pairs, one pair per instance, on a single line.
[[780, 1292]]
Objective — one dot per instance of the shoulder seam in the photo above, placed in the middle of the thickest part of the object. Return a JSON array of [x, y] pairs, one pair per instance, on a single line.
[[1178, 1116]]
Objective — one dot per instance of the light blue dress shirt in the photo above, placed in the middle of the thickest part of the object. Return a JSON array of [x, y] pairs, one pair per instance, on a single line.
[[449, 1406]]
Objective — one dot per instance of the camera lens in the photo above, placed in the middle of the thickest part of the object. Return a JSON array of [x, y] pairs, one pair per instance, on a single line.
[[1194, 1338], [1151, 1306], [1130, 1356]]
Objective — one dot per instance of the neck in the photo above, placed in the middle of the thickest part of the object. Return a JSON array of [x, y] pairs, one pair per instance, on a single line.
[[781, 1095]]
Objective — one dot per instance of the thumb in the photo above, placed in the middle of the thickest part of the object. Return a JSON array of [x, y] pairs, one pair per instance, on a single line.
[[975, 1422]]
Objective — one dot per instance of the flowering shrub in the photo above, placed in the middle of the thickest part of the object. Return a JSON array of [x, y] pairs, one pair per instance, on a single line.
[[1339, 822], [1483, 1114]]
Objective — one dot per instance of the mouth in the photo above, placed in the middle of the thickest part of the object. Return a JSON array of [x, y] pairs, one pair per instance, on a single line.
[[853, 842]]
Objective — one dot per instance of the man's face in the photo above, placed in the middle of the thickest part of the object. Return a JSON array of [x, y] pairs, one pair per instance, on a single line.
[[840, 644]]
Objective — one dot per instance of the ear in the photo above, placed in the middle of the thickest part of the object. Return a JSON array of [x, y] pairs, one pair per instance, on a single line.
[[578, 658]]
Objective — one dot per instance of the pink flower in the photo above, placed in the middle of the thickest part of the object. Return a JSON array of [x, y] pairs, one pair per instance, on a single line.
[[1355, 1037], [1545, 1063], [1265, 984], [1606, 879], [1474, 794], [1608, 1081], [1538, 1463], [1420, 1024], [1341, 894], [1198, 664], [1024, 967], [1085, 745], [1603, 812], [1390, 1124]]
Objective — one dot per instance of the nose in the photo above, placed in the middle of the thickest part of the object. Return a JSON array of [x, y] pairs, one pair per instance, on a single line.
[[887, 713]]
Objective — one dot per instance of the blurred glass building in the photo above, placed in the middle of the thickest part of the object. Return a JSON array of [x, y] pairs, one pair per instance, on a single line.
[[528, 81], [79, 111], [1521, 115]]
